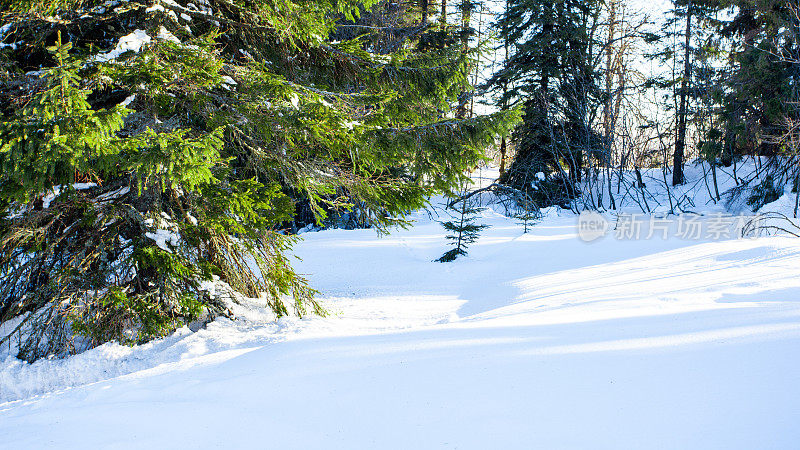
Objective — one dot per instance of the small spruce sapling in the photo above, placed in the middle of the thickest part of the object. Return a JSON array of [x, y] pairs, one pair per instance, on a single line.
[[526, 218], [463, 230]]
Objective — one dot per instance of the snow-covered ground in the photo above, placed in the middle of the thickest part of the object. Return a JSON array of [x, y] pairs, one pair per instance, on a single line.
[[537, 340]]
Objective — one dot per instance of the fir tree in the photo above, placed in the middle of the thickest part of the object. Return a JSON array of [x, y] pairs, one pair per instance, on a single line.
[[761, 86], [526, 217], [549, 71], [463, 230], [200, 143]]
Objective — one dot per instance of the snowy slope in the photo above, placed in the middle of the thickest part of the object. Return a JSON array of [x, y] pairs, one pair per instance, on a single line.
[[536, 340]]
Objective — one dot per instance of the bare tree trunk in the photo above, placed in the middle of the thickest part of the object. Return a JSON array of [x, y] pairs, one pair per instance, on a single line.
[[641, 185], [797, 192], [443, 16], [503, 145], [423, 4], [503, 151], [607, 113], [714, 177], [466, 10], [477, 65], [680, 142], [609, 174], [466, 15]]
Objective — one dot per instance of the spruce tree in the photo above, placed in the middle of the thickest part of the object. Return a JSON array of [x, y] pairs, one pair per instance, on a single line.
[[761, 87], [549, 72], [745, 89], [196, 142], [464, 231], [527, 217]]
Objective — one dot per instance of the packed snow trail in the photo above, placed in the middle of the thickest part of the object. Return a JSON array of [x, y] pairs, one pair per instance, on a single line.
[[535, 340]]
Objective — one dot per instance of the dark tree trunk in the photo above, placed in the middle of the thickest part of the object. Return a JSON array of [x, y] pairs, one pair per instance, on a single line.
[[680, 142], [466, 10], [503, 156]]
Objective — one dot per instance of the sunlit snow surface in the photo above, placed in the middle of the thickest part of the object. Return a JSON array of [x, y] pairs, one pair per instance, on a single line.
[[536, 340]]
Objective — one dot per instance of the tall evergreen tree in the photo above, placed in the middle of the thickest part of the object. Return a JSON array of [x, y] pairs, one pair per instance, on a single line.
[[755, 86], [550, 71], [234, 113], [761, 85]]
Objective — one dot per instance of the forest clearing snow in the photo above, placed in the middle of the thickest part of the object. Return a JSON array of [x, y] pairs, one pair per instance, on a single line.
[[536, 340]]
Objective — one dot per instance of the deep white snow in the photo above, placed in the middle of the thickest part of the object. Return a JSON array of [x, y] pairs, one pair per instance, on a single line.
[[537, 340]]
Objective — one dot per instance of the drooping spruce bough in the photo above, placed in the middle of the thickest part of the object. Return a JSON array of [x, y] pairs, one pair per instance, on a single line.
[[150, 147]]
